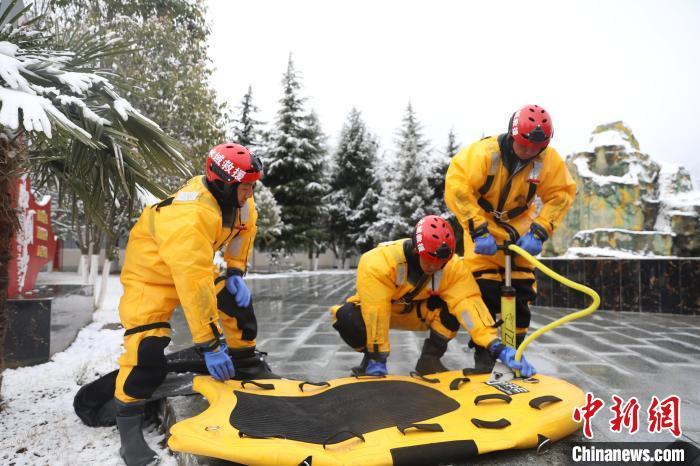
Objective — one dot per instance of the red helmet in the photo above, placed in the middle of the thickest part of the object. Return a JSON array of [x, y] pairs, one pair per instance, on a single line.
[[434, 239], [233, 163], [531, 126]]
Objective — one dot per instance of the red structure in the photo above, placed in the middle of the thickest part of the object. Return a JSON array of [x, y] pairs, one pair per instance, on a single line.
[[34, 245]]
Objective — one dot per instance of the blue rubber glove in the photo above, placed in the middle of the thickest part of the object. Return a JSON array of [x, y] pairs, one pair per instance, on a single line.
[[531, 243], [237, 287], [219, 363], [485, 245], [506, 355], [376, 368]]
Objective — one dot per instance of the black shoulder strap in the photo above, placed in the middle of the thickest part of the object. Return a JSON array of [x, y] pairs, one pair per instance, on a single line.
[[163, 203], [408, 297]]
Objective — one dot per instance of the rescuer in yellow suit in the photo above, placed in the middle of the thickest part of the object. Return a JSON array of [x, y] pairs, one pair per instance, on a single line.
[[417, 284], [169, 261], [490, 187]]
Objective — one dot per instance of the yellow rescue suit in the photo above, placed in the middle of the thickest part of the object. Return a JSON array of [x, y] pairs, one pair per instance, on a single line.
[[388, 298], [482, 193], [169, 261]]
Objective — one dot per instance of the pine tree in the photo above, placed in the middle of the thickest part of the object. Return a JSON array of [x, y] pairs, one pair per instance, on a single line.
[[414, 196], [246, 129], [351, 202], [362, 221], [269, 219], [313, 215], [438, 163], [452, 145], [294, 167]]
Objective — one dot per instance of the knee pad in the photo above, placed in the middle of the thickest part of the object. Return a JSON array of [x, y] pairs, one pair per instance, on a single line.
[[150, 370], [350, 325], [448, 320]]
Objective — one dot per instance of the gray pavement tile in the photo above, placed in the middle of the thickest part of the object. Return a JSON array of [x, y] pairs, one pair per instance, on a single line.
[[598, 346], [656, 355], [292, 332], [674, 346], [621, 339], [550, 338], [587, 327], [607, 375], [686, 338], [315, 354], [654, 328], [638, 364], [571, 354], [324, 339], [276, 344], [635, 333]]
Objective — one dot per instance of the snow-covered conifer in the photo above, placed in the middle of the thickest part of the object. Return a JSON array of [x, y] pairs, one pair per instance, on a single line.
[[353, 188]]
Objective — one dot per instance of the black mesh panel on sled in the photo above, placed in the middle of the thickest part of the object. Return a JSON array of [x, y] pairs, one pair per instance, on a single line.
[[331, 415]]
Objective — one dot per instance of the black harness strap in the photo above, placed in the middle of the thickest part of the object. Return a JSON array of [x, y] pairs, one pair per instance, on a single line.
[[497, 213], [163, 203], [407, 299], [479, 273], [143, 328]]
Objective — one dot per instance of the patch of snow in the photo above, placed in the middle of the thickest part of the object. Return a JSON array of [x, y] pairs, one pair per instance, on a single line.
[[123, 108], [687, 204], [10, 71], [8, 48], [25, 234], [632, 177], [146, 198], [575, 252], [610, 137], [582, 233], [67, 100], [78, 83], [37, 421]]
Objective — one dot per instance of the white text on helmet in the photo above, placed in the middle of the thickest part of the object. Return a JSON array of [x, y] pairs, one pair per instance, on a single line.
[[419, 236], [226, 165], [516, 118]]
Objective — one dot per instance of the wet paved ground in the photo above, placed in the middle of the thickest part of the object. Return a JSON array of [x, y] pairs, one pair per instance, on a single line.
[[622, 353]]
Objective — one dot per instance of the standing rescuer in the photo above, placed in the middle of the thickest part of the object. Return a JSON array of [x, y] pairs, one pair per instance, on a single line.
[[490, 187], [169, 261], [417, 284]]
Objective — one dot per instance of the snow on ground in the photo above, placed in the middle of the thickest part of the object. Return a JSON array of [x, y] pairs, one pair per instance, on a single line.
[[37, 423], [575, 252]]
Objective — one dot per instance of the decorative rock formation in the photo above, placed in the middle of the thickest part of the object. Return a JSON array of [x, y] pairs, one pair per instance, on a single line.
[[627, 203]]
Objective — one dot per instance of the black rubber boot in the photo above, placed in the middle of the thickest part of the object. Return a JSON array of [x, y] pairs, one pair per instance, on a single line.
[[134, 450], [483, 361], [250, 364], [519, 339], [362, 368], [429, 360]]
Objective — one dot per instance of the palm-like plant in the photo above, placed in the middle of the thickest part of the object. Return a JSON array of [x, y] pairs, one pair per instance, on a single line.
[[104, 149]]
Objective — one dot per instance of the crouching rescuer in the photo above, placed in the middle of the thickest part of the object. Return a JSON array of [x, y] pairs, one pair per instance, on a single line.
[[417, 284], [169, 262]]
